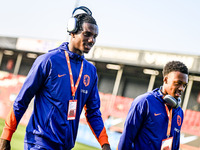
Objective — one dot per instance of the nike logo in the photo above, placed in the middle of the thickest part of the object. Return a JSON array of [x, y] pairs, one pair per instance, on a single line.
[[61, 75], [155, 114]]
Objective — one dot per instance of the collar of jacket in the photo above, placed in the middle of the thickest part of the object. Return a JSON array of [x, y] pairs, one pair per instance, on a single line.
[[64, 46], [158, 94]]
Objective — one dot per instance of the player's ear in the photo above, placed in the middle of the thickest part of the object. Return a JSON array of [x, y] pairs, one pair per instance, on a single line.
[[165, 79], [72, 35]]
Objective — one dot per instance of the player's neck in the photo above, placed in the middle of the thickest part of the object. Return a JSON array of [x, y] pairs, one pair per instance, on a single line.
[[74, 50]]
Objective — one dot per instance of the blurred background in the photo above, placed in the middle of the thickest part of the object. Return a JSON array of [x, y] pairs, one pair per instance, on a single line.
[[136, 39]]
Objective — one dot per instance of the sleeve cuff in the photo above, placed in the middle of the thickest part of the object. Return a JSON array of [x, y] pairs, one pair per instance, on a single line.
[[103, 138], [7, 134]]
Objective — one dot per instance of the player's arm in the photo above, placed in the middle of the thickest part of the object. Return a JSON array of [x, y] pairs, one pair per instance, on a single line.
[[134, 120], [94, 119], [33, 82]]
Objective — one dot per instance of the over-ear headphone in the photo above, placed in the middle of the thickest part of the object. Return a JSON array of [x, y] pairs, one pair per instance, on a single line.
[[72, 25], [171, 101]]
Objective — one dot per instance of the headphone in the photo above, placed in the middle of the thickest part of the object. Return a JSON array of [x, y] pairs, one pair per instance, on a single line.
[[171, 101], [72, 25]]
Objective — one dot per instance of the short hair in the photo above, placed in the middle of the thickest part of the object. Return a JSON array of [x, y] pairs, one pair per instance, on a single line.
[[84, 18], [175, 66]]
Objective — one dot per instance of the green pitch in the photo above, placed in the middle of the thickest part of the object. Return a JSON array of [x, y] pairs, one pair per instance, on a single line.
[[17, 142]]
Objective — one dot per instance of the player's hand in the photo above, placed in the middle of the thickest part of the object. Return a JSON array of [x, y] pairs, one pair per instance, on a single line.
[[106, 147], [4, 144]]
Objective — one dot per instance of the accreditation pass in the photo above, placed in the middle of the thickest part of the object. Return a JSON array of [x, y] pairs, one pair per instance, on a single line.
[[72, 110], [167, 144]]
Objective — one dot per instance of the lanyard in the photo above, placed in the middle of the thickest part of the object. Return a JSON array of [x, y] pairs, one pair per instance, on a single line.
[[169, 114], [73, 88]]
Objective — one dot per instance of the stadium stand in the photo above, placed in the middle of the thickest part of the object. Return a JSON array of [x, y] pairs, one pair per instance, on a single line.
[[191, 122]]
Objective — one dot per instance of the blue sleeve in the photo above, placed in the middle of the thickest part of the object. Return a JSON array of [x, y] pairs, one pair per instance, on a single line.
[[34, 80], [93, 115], [133, 123]]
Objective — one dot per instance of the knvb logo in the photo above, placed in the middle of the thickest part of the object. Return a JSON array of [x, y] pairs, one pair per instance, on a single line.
[[179, 120], [86, 80]]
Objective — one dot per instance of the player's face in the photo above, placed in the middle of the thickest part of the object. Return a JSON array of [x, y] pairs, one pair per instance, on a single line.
[[85, 39], [175, 83]]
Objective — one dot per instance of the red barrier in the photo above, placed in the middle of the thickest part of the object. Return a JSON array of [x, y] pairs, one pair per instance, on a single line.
[[191, 122]]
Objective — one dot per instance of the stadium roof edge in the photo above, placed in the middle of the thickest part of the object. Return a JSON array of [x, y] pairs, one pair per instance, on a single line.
[[117, 55]]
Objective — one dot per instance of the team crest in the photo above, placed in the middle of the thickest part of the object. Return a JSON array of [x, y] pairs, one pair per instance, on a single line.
[[86, 80], [179, 120]]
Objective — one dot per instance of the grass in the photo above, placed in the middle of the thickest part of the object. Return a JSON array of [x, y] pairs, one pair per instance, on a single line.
[[17, 142]]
